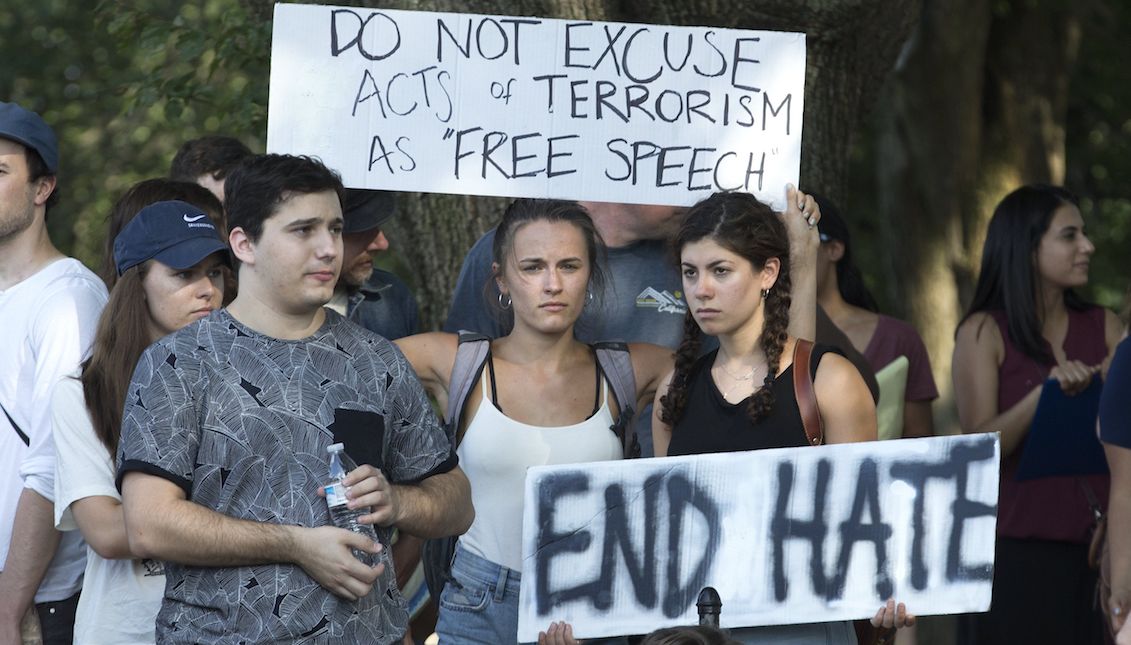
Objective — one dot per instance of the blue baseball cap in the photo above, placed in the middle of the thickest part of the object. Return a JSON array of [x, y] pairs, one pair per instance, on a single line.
[[174, 233], [29, 129]]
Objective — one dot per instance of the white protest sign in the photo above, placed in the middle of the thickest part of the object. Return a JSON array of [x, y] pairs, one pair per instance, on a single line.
[[810, 534], [507, 106]]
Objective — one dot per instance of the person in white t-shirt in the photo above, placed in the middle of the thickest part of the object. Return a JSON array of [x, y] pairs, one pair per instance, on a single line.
[[170, 260], [49, 304]]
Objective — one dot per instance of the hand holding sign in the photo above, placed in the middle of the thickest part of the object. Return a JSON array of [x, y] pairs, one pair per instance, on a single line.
[[557, 634]]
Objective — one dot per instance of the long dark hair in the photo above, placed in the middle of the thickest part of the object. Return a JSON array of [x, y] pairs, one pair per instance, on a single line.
[[1008, 279], [849, 281], [743, 225], [123, 333], [121, 337], [524, 211]]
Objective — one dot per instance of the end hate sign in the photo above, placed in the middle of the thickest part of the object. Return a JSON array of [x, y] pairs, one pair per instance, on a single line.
[[794, 535], [509, 106]]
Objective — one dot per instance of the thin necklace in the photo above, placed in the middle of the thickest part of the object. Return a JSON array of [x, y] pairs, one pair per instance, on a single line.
[[738, 380]]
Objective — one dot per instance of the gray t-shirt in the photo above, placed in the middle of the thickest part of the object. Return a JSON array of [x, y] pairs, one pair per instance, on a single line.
[[241, 421], [643, 304]]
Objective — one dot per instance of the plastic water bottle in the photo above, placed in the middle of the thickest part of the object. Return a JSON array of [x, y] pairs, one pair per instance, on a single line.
[[340, 513]]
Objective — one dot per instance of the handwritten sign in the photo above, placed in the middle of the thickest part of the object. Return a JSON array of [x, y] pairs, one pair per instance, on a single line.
[[785, 536], [508, 106]]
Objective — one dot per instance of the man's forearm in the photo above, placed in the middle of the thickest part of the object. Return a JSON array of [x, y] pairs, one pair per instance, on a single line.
[[436, 507], [33, 545], [188, 533]]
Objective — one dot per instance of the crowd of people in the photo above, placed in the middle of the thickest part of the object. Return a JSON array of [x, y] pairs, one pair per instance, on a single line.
[[165, 424]]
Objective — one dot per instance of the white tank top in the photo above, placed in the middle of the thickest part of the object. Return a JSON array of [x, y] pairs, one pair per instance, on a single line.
[[495, 453]]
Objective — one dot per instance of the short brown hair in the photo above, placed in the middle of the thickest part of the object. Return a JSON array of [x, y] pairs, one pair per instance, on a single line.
[[213, 155]]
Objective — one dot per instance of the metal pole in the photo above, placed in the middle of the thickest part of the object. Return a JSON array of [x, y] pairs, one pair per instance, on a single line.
[[710, 606]]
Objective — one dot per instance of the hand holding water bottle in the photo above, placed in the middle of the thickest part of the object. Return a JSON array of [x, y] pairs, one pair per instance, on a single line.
[[358, 497], [369, 492]]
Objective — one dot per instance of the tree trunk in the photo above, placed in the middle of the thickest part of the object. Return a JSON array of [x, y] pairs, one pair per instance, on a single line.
[[927, 162], [851, 48], [433, 231], [976, 108]]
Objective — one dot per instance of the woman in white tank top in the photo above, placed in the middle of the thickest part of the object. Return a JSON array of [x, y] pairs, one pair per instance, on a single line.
[[541, 400]]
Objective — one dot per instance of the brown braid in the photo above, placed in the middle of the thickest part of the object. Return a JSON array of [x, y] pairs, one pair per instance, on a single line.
[[676, 398], [743, 225], [775, 332]]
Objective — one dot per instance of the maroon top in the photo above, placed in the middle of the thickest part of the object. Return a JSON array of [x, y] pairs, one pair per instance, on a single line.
[[894, 338], [1051, 508]]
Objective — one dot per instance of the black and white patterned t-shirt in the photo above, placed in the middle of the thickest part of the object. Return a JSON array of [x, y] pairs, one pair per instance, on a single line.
[[241, 422]]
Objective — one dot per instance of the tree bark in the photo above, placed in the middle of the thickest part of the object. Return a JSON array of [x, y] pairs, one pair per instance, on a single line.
[[852, 45], [433, 232], [975, 109]]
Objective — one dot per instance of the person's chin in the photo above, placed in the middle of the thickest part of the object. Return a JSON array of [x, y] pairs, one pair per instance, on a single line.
[[356, 279], [708, 324], [319, 296], [552, 324]]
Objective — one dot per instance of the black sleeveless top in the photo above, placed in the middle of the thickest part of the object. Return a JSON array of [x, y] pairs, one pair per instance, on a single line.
[[711, 424]]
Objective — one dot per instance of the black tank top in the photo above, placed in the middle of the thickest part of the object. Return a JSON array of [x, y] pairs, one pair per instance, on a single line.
[[711, 424]]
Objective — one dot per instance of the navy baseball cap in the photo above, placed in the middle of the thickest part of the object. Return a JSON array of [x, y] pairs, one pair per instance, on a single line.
[[174, 233], [366, 209], [29, 129]]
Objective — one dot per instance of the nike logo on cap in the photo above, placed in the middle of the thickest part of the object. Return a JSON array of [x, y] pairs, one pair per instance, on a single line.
[[192, 219]]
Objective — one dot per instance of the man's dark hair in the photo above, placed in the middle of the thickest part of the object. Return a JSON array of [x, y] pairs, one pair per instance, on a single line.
[[211, 155], [257, 187], [37, 168]]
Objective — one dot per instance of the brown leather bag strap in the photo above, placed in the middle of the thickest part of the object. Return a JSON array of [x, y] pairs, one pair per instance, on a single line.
[[803, 392]]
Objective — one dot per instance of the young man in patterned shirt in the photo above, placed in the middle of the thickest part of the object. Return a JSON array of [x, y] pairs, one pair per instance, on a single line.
[[225, 430]]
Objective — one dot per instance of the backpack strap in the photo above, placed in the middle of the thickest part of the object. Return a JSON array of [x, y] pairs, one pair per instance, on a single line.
[[437, 553], [616, 363], [471, 354], [612, 356], [804, 393]]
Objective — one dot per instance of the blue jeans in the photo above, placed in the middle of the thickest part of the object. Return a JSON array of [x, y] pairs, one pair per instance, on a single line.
[[481, 605]]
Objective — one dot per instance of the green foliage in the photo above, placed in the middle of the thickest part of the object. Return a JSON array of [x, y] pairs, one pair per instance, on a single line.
[[1098, 158], [203, 66], [1099, 146], [124, 84]]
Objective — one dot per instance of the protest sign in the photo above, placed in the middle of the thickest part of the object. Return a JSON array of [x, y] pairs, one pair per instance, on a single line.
[[796, 535], [509, 106]]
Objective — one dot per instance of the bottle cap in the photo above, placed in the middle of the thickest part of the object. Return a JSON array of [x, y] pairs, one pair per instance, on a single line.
[[335, 447]]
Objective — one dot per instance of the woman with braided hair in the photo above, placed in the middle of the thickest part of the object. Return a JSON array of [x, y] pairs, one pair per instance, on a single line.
[[734, 253]]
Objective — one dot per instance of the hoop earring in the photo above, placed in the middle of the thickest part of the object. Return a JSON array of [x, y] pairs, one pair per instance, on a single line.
[[504, 305]]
